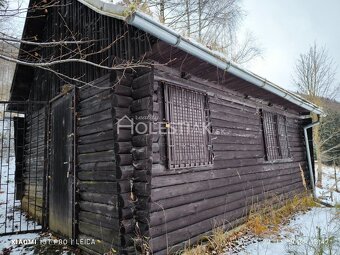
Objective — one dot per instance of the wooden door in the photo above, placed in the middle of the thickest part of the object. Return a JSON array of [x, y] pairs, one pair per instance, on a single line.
[[61, 166]]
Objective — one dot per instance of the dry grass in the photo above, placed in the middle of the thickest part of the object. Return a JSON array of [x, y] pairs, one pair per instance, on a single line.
[[216, 243], [198, 250], [264, 219], [218, 239], [267, 218]]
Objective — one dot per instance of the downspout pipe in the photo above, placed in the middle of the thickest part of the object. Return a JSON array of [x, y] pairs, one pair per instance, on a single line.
[[309, 157]]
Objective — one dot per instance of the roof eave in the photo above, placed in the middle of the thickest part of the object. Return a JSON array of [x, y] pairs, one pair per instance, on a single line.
[[158, 30], [147, 24]]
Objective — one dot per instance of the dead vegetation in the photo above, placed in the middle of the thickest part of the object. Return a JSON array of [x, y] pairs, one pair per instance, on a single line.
[[267, 219], [263, 220]]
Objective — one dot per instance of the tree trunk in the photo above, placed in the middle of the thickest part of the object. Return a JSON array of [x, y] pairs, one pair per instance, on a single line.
[[335, 178], [317, 142], [187, 13], [200, 20], [162, 11]]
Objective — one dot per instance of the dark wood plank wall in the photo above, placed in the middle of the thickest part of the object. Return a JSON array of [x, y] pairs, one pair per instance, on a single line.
[[19, 144], [123, 146], [34, 163], [141, 110], [189, 202], [104, 157], [106, 170], [110, 41], [133, 101], [97, 186]]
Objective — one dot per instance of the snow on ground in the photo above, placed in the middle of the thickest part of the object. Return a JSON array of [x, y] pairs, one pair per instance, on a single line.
[[11, 218], [34, 243], [314, 232], [7, 247], [328, 192], [114, 1], [306, 234]]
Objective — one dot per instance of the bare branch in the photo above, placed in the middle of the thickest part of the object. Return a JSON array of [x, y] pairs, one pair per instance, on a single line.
[[127, 65]]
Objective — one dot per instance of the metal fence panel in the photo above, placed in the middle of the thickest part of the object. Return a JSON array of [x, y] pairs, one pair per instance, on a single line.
[[23, 168]]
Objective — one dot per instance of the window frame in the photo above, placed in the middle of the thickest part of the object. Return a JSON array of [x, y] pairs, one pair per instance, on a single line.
[[171, 138], [276, 145]]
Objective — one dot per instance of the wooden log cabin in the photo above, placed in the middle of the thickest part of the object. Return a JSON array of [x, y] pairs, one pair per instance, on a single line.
[[157, 153]]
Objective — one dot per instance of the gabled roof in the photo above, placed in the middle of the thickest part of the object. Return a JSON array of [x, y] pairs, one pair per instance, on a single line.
[[174, 39]]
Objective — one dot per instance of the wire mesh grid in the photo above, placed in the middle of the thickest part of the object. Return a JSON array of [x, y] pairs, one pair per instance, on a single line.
[[22, 162]]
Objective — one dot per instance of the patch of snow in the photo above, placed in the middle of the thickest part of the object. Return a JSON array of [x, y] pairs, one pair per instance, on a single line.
[[301, 235], [327, 196], [307, 232], [33, 243], [13, 249], [113, 1], [328, 192]]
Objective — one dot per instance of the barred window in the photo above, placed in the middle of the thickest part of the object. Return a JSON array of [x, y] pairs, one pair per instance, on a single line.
[[275, 136], [188, 136]]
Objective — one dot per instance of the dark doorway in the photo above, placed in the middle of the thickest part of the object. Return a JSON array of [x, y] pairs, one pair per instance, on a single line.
[[61, 166]]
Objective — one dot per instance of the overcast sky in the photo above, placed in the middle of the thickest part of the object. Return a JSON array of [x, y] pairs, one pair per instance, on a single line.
[[285, 29]]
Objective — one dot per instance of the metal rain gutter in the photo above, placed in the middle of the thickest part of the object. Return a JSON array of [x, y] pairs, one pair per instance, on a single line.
[[309, 157], [148, 25]]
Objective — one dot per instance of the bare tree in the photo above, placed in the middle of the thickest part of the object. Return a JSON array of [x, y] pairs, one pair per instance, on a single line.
[[315, 74], [315, 79], [2, 3], [242, 51], [213, 23]]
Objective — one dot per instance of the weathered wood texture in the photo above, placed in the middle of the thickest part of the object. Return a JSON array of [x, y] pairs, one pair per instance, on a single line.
[[189, 202], [142, 113], [123, 131], [109, 163], [60, 180], [34, 163], [109, 41], [132, 102], [191, 66], [97, 186]]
